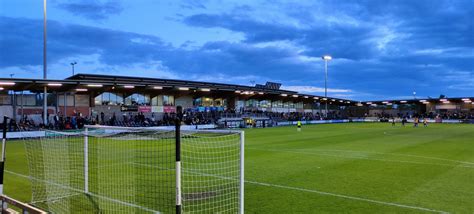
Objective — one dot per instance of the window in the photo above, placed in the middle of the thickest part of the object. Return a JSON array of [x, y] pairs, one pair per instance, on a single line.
[[108, 98], [168, 100], [264, 104], [137, 99]]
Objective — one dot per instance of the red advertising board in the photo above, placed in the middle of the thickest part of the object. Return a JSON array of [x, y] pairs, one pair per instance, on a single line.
[[144, 109], [169, 109]]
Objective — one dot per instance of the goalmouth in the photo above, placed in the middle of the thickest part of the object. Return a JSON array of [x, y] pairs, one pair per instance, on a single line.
[[138, 170]]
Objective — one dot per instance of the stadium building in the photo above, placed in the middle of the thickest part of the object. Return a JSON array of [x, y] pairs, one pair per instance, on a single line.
[[103, 97]]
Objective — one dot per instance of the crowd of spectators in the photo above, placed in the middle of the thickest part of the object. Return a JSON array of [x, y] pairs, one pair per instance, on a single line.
[[77, 121]]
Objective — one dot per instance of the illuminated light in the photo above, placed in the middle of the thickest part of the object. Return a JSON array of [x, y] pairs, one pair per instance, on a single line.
[[183, 89], [129, 86], [333, 100], [94, 85], [316, 98], [368, 103], [1, 89], [55, 84], [284, 95], [325, 98], [446, 102], [348, 102], [389, 104], [360, 104], [7, 83], [157, 87], [403, 101], [466, 99], [261, 93], [327, 57], [81, 89], [385, 102], [422, 101], [294, 95], [341, 101], [238, 92], [306, 97], [205, 89], [443, 100]]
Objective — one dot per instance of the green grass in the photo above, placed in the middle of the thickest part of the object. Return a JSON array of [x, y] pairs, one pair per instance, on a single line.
[[341, 168]]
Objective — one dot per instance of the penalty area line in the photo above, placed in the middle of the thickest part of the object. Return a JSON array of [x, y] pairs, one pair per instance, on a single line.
[[346, 197]]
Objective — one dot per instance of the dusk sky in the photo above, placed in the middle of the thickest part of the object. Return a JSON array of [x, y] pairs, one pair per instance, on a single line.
[[382, 49]]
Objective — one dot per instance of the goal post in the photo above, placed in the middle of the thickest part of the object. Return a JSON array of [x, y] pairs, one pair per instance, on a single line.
[[138, 169]]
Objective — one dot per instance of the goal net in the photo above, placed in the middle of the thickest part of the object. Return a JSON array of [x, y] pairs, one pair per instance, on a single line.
[[137, 170]]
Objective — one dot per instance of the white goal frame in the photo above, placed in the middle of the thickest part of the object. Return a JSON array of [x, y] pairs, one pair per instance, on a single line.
[[178, 164]]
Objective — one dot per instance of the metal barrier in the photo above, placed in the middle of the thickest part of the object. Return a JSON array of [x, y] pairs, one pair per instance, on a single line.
[[24, 207]]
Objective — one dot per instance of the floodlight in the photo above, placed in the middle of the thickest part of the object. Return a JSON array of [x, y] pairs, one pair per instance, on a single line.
[[55, 84], [327, 57], [94, 85], [7, 83]]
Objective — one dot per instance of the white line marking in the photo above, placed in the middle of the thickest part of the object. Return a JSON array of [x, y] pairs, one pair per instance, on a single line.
[[346, 196], [395, 154], [363, 158], [310, 190], [81, 191]]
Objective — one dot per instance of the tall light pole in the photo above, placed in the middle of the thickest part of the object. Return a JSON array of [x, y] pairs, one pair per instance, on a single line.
[[45, 93], [72, 64], [326, 58]]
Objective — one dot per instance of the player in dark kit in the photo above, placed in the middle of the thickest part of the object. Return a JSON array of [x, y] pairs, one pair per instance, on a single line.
[[393, 121], [404, 120]]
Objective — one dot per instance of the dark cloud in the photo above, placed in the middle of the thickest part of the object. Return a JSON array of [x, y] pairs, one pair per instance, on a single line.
[[389, 48], [125, 48], [92, 9]]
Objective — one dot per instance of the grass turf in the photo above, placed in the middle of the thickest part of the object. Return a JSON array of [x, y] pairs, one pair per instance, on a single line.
[[341, 168]]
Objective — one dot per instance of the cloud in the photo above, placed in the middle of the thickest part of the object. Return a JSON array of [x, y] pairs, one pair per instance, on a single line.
[[92, 9], [312, 89], [380, 49]]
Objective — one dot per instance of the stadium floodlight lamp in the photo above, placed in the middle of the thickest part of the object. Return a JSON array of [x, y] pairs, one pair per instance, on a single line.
[[158, 87], [333, 100], [422, 101], [94, 85], [316, 98], [341, 101], [327, 57], [294, 95], [325, 98], [443, 100], [466, 99], [306, 97], [261, 93], [55, 84], [368, 103], [205, 89], [284, 95], [348, 102], [129, 86], [238, 92], [403, 101], [7, 83], [81, 89], [183, 89], [1, 89], [446, 102]]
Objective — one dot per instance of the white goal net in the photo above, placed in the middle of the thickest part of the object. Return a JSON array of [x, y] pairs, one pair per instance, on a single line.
[[137, 170]]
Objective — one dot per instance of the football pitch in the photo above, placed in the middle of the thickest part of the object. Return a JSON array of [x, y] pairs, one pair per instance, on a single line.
[[340, 168]]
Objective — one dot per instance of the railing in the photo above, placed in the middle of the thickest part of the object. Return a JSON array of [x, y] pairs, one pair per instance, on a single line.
[[25, 208]]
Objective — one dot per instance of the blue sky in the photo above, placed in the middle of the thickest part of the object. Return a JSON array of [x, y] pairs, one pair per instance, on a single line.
[[381, 49]]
